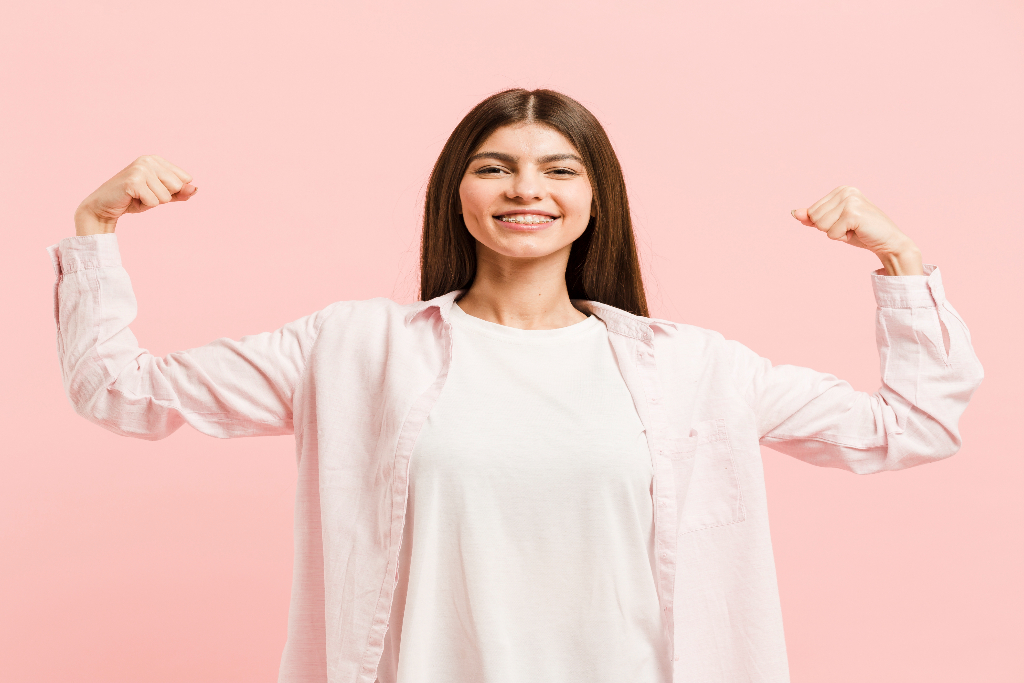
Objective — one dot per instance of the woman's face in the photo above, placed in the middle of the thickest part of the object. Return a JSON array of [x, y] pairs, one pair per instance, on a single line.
[[526, 193]]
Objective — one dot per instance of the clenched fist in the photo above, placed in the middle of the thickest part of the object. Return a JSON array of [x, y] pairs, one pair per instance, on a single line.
[[845, 215], [147, 182]]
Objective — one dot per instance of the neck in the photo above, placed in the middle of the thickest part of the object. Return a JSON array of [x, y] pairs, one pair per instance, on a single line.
[[529, 294]]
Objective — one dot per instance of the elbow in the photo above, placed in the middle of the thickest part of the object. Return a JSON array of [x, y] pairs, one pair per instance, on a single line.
[[930, 431], [108, 408], [925, 446], [83, 399], [940, 451]]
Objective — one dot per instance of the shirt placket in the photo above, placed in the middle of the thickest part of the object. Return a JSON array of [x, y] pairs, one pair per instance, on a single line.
[[664, 486], [633, 344], [409, 432]]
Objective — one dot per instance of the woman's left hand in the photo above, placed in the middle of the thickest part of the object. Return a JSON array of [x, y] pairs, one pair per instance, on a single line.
[[845, 215]]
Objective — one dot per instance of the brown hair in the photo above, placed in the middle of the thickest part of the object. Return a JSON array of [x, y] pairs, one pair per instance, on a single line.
[[603, 264]]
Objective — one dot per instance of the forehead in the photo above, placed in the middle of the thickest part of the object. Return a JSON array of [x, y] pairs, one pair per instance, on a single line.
[[527, 140]]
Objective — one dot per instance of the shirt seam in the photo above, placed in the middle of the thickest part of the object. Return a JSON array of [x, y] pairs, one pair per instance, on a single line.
[[835, 441], [317, 326], [226, 417]]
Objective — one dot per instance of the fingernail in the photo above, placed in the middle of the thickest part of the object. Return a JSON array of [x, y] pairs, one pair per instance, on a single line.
[[793, 213]]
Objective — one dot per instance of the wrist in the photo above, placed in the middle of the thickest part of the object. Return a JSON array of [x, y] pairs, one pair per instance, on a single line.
[[88, 223], [904, 259]]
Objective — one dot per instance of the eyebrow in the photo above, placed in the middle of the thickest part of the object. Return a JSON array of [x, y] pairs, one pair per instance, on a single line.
[[509, 159]]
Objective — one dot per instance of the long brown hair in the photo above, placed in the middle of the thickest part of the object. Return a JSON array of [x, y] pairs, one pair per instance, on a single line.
[[603, 264]]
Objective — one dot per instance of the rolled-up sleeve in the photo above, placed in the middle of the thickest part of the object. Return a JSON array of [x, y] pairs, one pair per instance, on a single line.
[[226, 388], [928, 369]]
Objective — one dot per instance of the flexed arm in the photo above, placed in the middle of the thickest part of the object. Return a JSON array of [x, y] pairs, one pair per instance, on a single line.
[[845, 215], [226, 388], [928, 366], [147, 182]]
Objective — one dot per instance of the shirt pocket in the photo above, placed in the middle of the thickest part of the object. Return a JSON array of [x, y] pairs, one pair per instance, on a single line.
[[707, 489]]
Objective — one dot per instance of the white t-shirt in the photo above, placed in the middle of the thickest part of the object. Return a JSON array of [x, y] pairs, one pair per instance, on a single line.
[[528, 551]]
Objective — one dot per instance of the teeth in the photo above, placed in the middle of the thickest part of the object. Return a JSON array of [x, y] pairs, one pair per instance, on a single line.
[[528, 218]]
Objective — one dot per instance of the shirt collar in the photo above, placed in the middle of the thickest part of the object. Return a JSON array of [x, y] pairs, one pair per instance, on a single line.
[[443, 303], [617, 320]]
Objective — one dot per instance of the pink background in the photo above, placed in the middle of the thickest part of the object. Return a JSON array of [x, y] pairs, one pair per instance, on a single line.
[[311, 128]]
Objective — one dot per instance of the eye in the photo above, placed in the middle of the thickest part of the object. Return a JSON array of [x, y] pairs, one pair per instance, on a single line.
[[490, 170], [564, 172]]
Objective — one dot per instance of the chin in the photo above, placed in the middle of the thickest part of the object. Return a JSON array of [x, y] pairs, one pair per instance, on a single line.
[[525, 248]]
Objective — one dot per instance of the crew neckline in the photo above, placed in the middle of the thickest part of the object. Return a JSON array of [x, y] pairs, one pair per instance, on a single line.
[[463, 319]]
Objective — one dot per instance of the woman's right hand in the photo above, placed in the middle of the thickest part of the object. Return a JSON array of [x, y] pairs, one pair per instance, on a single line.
[[147, 182]]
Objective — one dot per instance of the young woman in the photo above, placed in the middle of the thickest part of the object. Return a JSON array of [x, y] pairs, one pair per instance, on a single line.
[[523, 477]]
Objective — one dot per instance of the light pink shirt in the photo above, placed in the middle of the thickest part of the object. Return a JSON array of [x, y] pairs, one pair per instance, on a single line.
[[528, 549], [355, 382]]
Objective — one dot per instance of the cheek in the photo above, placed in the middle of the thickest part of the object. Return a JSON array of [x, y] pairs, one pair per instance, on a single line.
[[473, 204], [579, 203], [474, 199]]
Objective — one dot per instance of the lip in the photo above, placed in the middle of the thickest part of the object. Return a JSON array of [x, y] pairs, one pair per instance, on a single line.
[[517, 212], [525, 227]]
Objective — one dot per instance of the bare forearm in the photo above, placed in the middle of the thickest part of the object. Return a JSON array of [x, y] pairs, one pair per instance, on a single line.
[[87, 223], [148, 181], [903, 261]]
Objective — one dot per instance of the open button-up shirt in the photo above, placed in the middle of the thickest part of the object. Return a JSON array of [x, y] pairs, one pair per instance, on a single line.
[[355, 382]]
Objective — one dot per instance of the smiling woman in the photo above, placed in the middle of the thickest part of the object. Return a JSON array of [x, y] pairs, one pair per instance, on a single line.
[[531, 151], [523, 477]]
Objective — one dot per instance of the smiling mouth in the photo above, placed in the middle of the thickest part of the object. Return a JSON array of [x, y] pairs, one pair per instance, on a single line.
[[526, 219]]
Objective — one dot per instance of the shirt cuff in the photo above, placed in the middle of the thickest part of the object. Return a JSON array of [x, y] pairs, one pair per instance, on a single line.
[[72, 254], [908, 291]]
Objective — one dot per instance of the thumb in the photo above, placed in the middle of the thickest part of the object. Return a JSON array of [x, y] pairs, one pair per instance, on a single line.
[[186, 191], [802, 216]]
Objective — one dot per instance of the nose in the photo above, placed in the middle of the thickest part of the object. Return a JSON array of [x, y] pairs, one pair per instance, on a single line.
[[526, 185]]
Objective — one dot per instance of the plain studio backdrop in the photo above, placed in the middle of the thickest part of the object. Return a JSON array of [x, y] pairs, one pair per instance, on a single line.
[[311, 128]]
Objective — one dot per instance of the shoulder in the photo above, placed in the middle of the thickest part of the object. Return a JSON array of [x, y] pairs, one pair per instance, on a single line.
[[674, 342], [379, 309], [693, 344], [657, 330], [684, 332], [383, 317]]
